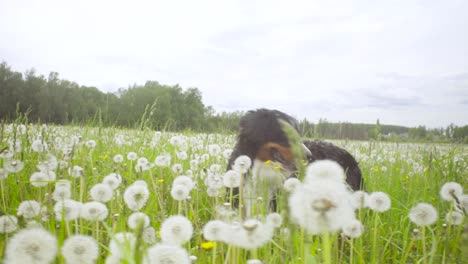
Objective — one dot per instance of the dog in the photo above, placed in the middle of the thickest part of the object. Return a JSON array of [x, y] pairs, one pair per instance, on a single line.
[[262, 139]]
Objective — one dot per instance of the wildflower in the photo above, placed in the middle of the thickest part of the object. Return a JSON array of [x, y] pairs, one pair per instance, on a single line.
[[182, 155], [379, 201], [136, 218], [8, 224], [291, 183], [80, 249], [76, 171], [149, 235], [207, 245], [451, 189], [94, 211], [215, 168], [214, 192], [91, 144], [177, 168], [39, 179], [353, 229], [454, 218], [324, 170], [31, 246], [167, 253], [194, 165], [176, 229], [242, 164], [214, 150], [120, 243], [135, 196], [132, 156], [29, 209], [214, 230], [359, 199], [463, 203], [232, 179], [274, 219], [101, 193], [13, 165], [423, 214], [113, 180], [321, 207], [227, 153], [38, 146], [7, 153], [140, 183], [180, 192], [184, 180], [50, 164], [3, 174], [251, 234], [67, 210], [118, 158], [62, 190], [163, 160]]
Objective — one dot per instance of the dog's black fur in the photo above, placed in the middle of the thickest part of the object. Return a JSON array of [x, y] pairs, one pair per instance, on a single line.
[[260, 127]]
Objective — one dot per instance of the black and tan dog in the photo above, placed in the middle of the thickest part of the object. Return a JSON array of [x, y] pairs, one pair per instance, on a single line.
[[262, 139]]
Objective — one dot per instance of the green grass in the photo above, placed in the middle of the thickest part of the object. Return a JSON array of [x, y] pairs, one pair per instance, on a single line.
[[408, 173]]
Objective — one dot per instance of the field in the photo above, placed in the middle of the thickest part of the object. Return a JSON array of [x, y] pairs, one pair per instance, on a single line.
[[65, 180]]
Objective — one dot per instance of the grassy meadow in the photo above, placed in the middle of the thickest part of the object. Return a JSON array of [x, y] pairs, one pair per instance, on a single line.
[[75, 159]]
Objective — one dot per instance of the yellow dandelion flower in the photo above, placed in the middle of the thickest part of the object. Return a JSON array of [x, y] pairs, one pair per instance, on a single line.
[[207, 245], [161, 180], [268, 162], [277, 167]]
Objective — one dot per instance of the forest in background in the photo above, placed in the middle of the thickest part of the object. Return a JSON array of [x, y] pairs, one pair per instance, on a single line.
[[50, 99]]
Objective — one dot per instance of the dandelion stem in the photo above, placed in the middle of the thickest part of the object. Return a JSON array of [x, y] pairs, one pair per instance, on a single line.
[[326, 247], [423, 240], [351, 250], [3, 196], [374, 239]]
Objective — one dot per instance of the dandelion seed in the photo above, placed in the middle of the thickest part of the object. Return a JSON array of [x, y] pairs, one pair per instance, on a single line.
[[454, 218], [29, 209], [180, 192], [163, 160], [149, 235], [251, 234], [50, 164], [242, 164], [7, 153], [214, 230], [76, 171], [94, 211], [13, 165], [31, 246], [80, 249], [91, 144], [122, 242], [423, 214], [214, 192], [167, 253], [136, 218], [359, 199], [8, 224], [67, 210], [353, 229], [227, 153], [177, 168], [214, 150], [135, 196], [101, 193], [182, 155], [274, 219], [39, 179], [291, 183], [232, 179], [140, 183], [61, 193], [451, 189], [176, 229], [464, 202], [118, 158], [194, 165], [132, 156], [324, 170], [38, 146], [379, 201], [113, 180], [184, 180]]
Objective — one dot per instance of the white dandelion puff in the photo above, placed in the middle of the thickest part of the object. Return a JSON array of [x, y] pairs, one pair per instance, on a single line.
[[8, 224], [118, 158], [136, 218], [324, 170], [184, 180], [38, 146], [254, 261], [451, 189], [232, 179], [291, 183], [67, 210], [94, 211], [214, 150], [132, 156], [13, 165], [29, 209], [3, 174], [423, 214], [353, 229], [227, 153], [242, 164], [31, 246], [101, 193], [39, 179], [274, 219], [454, 218], [163, 160], [76, 171], [214, 230], [113, 180], [359, 199], [167, 253], [80, 249], [379, 201], [149, 235], [122, 242], [176, 229], [135, 196], [177, 168], [180, 192]]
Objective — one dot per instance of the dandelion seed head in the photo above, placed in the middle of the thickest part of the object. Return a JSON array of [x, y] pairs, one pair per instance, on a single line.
[[214, 230], [379, 201], [135, 196], [274, 219], [163, 253], [291, 183], [121, 241], [149, 235], [163, 160], [135, 218], [353, 228], [29, 209], [101, 193], [359, 199], [31, 246], [451, 189], [423, 214], [39, 179], [13, 165], [242, 164], [80, 249], [94, 211], [176, 229], [454, 218], [118, 158], [38, 146], [214, 150], [132, 155], [76, 171], [232, 179], [324, 170], [184, 180], [8, 224], [113, 180], [3, 174], [177, 168], [180, 192]]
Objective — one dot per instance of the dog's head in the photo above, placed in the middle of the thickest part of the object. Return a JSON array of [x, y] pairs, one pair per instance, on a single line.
[[262, 138]]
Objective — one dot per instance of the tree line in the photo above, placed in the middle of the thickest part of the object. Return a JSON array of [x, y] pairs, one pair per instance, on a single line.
[[153, 105]]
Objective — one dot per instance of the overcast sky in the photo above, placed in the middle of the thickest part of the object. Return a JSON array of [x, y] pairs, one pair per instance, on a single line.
[[404, 62]]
